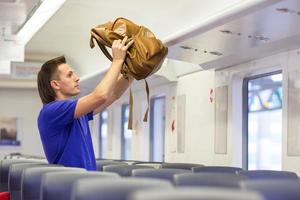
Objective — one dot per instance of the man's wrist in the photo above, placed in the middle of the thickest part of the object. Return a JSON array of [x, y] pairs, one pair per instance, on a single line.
[[118, 61]]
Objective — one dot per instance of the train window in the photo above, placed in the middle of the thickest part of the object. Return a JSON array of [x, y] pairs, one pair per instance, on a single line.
[[157, 129], [103, 134], [263, 118], [126, 134]]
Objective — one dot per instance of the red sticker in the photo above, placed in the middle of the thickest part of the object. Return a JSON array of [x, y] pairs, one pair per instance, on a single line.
[[173, 125]]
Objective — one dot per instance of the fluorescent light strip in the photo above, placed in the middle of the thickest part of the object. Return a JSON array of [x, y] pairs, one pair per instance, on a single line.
[[39, 18]]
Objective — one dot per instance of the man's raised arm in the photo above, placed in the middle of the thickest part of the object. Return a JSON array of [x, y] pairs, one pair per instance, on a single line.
[[105, 90]]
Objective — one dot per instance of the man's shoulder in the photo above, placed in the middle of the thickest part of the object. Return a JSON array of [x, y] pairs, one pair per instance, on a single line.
[[59, 104], [57, 113]]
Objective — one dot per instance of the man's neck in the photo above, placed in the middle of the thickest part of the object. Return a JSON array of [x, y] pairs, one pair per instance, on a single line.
[[60, 96]]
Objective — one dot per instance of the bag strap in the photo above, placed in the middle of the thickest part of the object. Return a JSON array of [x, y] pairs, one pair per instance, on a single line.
[[130, 121], [148, 100], [100, 43]]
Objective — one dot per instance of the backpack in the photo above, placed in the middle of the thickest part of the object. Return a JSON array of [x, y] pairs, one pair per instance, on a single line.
[[144, 57]]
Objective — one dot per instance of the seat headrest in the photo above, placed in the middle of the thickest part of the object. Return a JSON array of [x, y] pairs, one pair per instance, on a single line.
[[58, 185], [117, 189], [32, 177], [124, 170]]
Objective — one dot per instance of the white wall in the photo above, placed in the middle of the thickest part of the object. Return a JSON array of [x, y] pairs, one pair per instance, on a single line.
[[140, 138], [199, 118], [25, 105]]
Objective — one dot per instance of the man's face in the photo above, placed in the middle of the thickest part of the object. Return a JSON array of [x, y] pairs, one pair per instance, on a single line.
[[68, 81]]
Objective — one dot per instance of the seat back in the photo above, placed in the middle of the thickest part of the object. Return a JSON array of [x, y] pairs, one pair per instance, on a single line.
[[187, 166], [196, 194], [112, 189], [166, 174], [219, 169], [123, 170], [14, 178], [155, 165], [268, 174], [32, 177], [101, 163], [275, 189], [58, 185], [4, 170], [208, 179]]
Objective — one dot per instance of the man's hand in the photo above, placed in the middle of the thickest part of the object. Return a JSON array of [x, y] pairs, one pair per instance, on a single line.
[[119, 49]]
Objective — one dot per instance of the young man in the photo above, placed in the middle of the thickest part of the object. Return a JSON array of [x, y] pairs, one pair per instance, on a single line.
[[63, 121]]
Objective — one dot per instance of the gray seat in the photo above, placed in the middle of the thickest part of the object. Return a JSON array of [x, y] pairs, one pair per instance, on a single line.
[[156, 165], [4, 170], [275, 189], [196, 194], [129, 162], [153, 165], [32, 177], [219, 169], [101, 163], [123, 170], [14, 178], [58, 185], [187, 166], [112, 189], [146, 162], [208, 179], [166, 174], [268, 174]]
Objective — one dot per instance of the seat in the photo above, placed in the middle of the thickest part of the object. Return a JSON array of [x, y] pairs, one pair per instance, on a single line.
[[129, 162], [268, 174], [4, 195], [58, 185], [145, 162], [113, 189], [195, 194], [155, 165], [188, 166], [32, 177], [275, 189], [4, 170], [123, 170], [166, 174], [219, 169], [14, 178], [208, 179], [18, 155], [101, 163]]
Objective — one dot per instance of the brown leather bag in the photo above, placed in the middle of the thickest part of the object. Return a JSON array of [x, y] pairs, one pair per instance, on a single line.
[[143, 58]]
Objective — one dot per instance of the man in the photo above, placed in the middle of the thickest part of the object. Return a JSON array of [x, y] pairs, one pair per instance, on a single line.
[[63, 121]]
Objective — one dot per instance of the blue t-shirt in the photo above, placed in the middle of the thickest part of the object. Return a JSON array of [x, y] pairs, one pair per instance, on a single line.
[[66, 139]]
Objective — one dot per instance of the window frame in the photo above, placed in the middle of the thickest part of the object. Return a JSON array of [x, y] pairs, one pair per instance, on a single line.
[[101, 121], [151, 128], [245, 112]]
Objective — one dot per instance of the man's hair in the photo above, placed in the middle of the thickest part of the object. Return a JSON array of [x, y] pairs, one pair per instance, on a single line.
[[47, 73]]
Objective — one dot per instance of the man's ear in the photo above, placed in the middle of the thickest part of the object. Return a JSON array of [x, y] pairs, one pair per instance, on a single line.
[[54, 84]]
